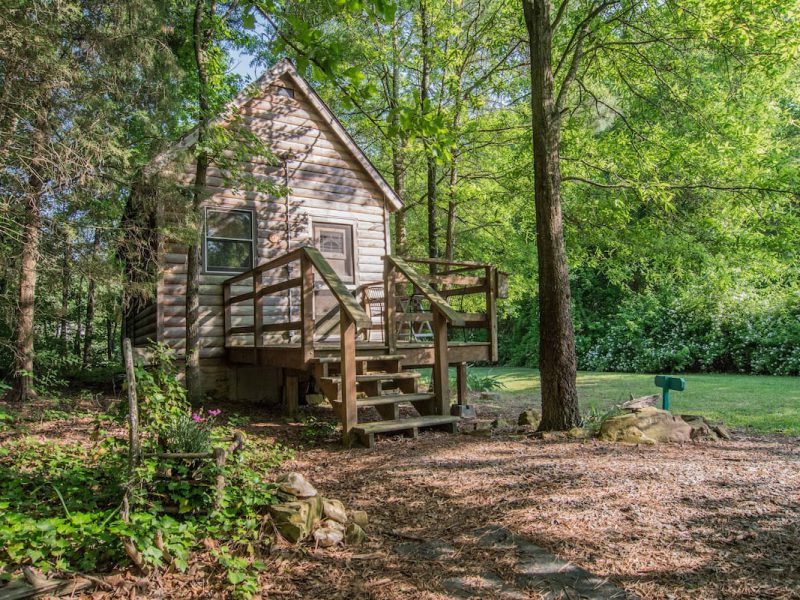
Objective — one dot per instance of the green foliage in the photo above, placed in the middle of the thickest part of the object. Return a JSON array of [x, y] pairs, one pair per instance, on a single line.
[[480, 382], [317, 430]]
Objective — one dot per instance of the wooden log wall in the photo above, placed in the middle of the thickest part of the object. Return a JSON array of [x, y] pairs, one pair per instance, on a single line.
[[326, 183]]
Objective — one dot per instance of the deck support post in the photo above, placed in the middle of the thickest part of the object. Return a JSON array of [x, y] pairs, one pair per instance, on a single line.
[[389, 289], [461, 383], [307, 309], [491, 311], [291, 395], [441, 383], [349, 410]]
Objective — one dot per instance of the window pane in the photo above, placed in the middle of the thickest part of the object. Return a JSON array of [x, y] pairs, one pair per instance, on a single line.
[[229, 224], [331, 242], [224, 255]]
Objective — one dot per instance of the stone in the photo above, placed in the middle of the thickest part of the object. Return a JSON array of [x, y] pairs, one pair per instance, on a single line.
[[529, 417], [701, 430], [360, 518], [649, 425], [295, 484], [722, 431], [637, 404], [465, 411], [334, 510], [354, 535], [579, 433], [328, 536], [293, 520], [490, 396], [315, 399], [500, 424]]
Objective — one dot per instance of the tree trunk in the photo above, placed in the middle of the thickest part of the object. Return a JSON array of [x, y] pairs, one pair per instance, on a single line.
[[450, 233], [76, 343], [65, 281], [201, 37], [88, 331], [22, 386], [109, 340], [398, 149], [430, 159], [557, 362]]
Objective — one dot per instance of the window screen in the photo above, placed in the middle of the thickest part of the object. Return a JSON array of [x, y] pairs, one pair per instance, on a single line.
[[335, 242], [229, 240]]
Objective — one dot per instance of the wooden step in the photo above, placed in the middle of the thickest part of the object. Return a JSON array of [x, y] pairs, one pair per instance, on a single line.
[[365, 358], [365, 432], [392, 399], [374, 377]]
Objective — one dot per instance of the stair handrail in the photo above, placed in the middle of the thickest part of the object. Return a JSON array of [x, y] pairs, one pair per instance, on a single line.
[[452, 316], [345, 298]]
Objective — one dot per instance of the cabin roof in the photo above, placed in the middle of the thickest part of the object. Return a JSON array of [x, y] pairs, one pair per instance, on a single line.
[[285, 67]]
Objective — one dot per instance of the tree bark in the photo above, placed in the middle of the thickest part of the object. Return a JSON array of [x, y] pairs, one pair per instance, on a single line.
[[398, 151], [65, 281], [557, 361], [430, 159], [109, 340], [201, 37], [22, 388], [88, 331], [76, 342]]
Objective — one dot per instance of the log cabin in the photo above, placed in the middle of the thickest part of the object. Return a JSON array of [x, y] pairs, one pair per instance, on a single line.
[[300, 293]]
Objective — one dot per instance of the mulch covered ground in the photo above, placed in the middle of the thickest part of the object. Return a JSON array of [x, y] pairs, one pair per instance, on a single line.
[[706, 520], [696, 521]]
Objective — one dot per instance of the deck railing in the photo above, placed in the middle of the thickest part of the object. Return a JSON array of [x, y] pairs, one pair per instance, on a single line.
[[449, 278]]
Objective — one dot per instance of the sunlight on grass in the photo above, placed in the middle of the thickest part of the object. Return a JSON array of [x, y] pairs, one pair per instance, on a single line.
[[764, 403]]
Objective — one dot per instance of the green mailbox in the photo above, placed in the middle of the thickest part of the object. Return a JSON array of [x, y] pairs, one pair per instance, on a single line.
[[667, 383]]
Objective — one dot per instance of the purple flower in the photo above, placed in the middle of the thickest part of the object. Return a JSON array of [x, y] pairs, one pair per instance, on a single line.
[[214, 413], [196, 418]]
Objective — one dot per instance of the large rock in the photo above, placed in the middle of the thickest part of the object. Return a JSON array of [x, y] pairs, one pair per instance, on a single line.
[[329, 534], [295, 520], [647, 426], [701, 429], [296, 485], [360, 518], [334, 510], [529, 418], [354, 536]]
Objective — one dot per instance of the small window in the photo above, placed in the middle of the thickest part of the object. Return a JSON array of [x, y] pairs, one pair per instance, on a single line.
[[228, 240], [335, 242], [284, 91]]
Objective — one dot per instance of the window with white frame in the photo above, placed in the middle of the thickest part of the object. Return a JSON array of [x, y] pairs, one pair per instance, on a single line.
[[335, 243], [228, 240]]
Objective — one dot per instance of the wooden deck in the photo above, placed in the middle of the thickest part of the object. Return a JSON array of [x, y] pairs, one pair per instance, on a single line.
[[338, 351]]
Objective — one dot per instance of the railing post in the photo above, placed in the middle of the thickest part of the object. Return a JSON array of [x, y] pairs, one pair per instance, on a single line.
[[226, 312], [491, 311], [258, 310], [441, 382], [307, 308], [347, 340], [389, 288]]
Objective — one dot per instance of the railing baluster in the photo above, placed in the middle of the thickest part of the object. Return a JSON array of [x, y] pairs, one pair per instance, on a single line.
[[258, 310], [226, 310], [307, 308], [389, 288]]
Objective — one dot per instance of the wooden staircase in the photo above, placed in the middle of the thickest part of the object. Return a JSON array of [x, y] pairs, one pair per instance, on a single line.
[[383, 385]]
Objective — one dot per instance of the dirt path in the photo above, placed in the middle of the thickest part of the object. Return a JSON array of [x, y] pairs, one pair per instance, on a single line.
[[698, 521]]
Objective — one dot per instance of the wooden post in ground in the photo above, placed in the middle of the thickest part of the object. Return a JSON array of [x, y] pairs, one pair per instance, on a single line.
[[461, 383], [291, 391], [220, 457], [349, 410], [133, 407], [441, 383]]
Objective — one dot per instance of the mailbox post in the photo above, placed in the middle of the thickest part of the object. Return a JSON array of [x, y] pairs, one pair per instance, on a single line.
[[667, 383]]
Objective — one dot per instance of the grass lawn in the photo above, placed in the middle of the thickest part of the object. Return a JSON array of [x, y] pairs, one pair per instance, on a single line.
[[764, 403]]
